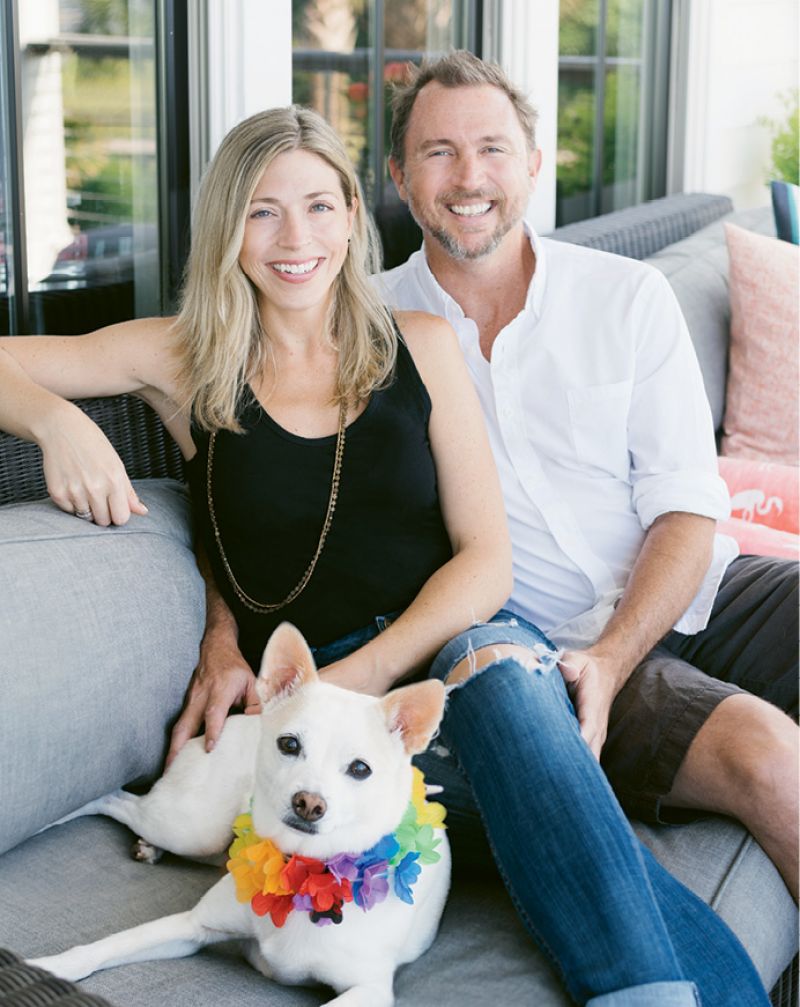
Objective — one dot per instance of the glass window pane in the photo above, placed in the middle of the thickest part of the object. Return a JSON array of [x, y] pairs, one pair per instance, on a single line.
[[337, 45], [412, 30], [575, 153], [624, 28], [330, 70], [620, 138], [578, 23], [600, 162], [91, 178]]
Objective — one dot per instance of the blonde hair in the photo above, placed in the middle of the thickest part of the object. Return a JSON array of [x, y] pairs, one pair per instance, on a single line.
[[221, 339], [459, 68]]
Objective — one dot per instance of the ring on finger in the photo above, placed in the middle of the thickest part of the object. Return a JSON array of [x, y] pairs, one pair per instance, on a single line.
[[84, 515]]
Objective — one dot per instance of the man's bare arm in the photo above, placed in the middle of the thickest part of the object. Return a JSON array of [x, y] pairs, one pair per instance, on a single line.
[[667, 574]]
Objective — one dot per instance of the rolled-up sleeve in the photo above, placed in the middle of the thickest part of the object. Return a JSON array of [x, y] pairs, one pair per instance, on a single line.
[[671, 434]]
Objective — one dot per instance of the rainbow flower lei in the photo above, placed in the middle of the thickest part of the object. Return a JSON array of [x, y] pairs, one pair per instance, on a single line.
[[276, 884]]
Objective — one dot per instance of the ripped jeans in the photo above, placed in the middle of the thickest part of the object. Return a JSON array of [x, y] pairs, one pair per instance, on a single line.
[[616, 926], [619, 929]]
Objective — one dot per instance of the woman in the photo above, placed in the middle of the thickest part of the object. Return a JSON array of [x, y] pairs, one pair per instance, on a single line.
[[360, 486], [346, 445]]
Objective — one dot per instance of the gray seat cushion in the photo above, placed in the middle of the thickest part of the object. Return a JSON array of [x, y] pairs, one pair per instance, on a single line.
[[99, 628], [99, 631], [76, 883]]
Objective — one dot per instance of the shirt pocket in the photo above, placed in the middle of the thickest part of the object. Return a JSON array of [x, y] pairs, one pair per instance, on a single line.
[[599, 425]]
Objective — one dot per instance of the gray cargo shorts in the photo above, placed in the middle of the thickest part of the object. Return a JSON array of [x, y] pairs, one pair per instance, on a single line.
[[750, 645]]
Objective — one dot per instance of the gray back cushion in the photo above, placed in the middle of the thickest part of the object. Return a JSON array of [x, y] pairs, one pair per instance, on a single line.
[[99, 633], [697, 269]]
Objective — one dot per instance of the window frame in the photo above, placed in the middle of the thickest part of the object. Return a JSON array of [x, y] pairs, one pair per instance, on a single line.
[[654, 108], [376, 57], [172, 156]]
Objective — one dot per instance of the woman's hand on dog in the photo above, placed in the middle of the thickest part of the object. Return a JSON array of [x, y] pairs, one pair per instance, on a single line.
[[221, 680]]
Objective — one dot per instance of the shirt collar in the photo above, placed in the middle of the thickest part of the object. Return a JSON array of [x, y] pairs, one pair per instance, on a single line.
[[442, 303], [533, 301]]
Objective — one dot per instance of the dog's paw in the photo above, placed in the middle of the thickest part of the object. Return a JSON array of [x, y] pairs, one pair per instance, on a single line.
[[145, 852], [64, 966]]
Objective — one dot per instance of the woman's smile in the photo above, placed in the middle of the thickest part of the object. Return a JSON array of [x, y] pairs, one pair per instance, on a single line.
[[296, 271]]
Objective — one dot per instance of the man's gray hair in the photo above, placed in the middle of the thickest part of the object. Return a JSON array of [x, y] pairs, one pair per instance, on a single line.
[[459, 68]]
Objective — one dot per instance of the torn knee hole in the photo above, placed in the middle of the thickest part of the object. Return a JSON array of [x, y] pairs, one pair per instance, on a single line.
[[477, 660]]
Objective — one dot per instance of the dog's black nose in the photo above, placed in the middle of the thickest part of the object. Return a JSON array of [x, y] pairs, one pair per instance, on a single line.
[[310, 807]]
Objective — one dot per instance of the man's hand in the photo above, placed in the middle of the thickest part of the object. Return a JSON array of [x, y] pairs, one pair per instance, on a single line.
[[666, 576], [222, 679], [593, 683]]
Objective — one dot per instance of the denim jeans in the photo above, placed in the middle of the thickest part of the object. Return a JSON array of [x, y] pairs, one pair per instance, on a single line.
[[620, 930]]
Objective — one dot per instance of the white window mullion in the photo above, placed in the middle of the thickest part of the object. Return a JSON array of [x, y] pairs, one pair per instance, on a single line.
[[243, 54], [526, 46]]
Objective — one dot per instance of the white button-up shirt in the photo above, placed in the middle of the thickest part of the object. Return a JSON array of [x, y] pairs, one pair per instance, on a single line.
[[599, 423]]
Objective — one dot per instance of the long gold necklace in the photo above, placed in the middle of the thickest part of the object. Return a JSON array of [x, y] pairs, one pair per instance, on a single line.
[[262, 608]]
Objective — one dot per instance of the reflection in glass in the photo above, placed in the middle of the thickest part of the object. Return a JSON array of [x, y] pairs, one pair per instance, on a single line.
[[600, 102], [621, 138], [578, 23], [89, 113], [331, 66], [337, 46]]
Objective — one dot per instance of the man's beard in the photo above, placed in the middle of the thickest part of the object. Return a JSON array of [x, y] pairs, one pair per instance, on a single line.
[[509, 215]]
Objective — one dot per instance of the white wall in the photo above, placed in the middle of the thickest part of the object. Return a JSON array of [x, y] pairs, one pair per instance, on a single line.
[[742, 54], [249, 61]]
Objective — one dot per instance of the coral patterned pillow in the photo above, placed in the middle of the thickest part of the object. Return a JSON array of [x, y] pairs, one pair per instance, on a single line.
[[763, 493], [765, 506], [759, 540], [761, 417]]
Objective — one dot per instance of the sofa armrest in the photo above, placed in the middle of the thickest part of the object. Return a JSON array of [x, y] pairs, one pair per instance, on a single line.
[[146, 449], [100, 630], [643, 230]]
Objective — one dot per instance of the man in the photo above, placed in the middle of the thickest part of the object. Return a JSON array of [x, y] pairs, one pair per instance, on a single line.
[[604, 443]]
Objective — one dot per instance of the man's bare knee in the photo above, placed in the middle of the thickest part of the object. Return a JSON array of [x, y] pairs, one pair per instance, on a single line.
[[744, 763], [746, 749], [483, 656]]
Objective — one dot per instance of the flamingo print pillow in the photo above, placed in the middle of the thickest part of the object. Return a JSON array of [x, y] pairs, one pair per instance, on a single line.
[[765, 499]]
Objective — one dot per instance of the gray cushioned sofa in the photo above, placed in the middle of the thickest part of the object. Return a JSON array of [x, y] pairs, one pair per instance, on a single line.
[[99, 632]]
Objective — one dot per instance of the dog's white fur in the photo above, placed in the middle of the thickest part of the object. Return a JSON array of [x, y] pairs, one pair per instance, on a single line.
[[190, 810]]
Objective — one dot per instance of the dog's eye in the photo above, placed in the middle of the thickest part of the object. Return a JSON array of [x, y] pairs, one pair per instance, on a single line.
[[359, 770], [289, 745]]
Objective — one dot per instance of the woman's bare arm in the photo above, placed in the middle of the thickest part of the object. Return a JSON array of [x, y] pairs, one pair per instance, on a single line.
[[39, 374]]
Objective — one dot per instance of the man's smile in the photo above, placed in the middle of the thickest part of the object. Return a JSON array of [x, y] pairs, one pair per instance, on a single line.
[[470, 210]]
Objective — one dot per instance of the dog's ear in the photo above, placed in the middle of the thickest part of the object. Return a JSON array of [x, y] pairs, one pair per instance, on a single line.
[[287, 663], [415, 711]]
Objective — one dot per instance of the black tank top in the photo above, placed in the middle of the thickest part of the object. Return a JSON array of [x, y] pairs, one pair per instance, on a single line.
[[270, 492]]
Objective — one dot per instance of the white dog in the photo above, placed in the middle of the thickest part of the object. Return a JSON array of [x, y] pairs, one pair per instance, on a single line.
[[328, 833]]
